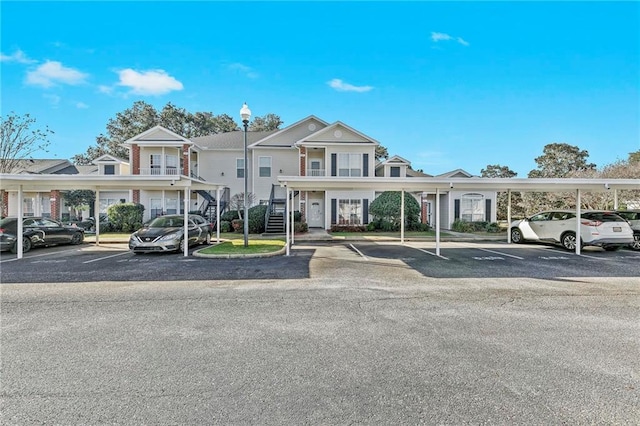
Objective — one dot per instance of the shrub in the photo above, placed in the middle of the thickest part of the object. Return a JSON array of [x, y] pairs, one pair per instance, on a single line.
[[256, 219], [125, 217], [348, 228], [229, 215], [386, 208], [225, 226], [297, 216], [299, 227], [238, 225]]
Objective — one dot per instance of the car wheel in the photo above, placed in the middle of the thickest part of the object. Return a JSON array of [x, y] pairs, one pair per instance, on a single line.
[[568, 241], [208, 239], [611, 248], [77, 238], [26, 245], [636, 242], [181, 246], [516, 236]]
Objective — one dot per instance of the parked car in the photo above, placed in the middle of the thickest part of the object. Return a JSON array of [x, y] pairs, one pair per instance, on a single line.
[[633, 217], [166, 233], [37, 231], [598, 228], [89, 224]]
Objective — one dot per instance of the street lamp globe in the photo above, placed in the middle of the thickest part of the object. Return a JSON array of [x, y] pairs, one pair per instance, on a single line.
[[245, 113]]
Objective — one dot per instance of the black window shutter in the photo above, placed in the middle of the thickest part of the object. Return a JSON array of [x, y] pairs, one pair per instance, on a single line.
[[365, 211], [456, 209], [334, 164], [334, 211], [487, 210], [365, 165]]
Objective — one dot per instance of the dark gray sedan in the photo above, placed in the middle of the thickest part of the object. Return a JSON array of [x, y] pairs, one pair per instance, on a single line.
[[166, 234], [37, 231]]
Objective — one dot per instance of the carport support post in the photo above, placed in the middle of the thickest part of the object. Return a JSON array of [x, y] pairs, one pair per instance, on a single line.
[[291, 216], [288, 225], [185, 203], [437, 221], [615, 199], [19, 222], [402, 217], [96, 214], [217, 214], [508, 216], [578, 222]]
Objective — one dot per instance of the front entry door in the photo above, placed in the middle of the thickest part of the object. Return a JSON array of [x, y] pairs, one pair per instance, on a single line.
[[316, 213]]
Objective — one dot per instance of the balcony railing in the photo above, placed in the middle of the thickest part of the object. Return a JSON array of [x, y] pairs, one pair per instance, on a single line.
[[159, 171], [315, 172]]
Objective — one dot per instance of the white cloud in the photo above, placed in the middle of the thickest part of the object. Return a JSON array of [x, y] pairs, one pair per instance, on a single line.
[[246, 70], [152, 82], [52, 72], [81, 105], [341, 86], [436, 37], [18, 56]]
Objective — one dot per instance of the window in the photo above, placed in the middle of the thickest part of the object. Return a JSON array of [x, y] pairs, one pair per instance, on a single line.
[[172, 162], [265, 166], [155, 161], [105, 203], [171, 205], [240, 168], [155, 207], [349, 212], [395, 171], [472, 208], [349, 164], [109, 169]]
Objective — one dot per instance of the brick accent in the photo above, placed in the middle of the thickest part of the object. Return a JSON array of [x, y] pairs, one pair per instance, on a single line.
[[185, 159], [135, 153], [303, 206], [56, 203], [4, 208], [136, 196], [303, 161], [423, 203]]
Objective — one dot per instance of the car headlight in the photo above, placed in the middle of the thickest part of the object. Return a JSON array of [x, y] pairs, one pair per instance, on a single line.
[[171, 236]]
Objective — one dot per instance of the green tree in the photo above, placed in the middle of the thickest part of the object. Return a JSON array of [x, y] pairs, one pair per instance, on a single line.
[[381, 153], [20, 139], [560, 160], [79, 199], [143, 116], [386, 208], [498, 171], [265, 123]]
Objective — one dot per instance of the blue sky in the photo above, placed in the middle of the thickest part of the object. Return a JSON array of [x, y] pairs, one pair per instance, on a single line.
[[445, 85]]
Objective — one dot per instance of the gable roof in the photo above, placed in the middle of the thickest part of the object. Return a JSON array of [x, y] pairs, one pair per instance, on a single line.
[[229, 140], [157, 134], [337, 132], [289, 135], [396, 159], [456, 173], [44, 166], [108, 158]]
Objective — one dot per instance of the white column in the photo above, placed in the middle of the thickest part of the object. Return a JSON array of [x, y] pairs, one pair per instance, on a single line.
[[578, 222], [508, 215], [437, 221], [217, 214], [96, 214], [287, 230], [291, 217], [185, 203], [615, 199], [19, 221], [402, 217]]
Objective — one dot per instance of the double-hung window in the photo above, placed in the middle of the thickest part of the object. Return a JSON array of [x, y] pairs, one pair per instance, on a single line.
[[472, 207], [349, 164], [349, 212], [109, 169], [265, 166], [240, 168], [155, 161]]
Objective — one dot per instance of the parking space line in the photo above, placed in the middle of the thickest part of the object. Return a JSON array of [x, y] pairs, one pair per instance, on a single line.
[[502, 254], [107, 257], [433, 254], [358, 251], [31, 256], [572, 253]]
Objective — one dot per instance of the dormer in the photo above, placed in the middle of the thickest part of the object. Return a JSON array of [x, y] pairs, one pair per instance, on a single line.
[[110, 165], [159, 151], [458, 173], [395, 166]]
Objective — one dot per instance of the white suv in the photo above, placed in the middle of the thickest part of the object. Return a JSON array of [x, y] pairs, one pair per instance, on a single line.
[[598, 228], [633, 217]]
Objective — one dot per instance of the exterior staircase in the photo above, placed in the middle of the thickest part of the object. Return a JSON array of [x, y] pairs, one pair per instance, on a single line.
[[208, 207]]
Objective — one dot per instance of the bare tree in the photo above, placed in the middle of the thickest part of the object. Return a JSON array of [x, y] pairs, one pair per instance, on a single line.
[[20, 139], [237, 202]]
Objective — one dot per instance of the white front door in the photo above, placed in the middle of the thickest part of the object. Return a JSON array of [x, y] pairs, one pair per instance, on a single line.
[[316, 213]]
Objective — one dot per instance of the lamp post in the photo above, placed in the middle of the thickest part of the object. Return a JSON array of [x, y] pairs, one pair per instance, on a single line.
[[245, 113]]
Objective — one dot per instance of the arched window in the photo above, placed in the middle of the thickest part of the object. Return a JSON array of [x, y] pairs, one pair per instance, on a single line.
[[472, 208]]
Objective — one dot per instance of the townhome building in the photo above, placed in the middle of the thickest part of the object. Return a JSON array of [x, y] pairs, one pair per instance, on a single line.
[[310, 147]]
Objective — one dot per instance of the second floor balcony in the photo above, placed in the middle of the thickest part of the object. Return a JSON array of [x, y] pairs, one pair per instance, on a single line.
[[160, 171]]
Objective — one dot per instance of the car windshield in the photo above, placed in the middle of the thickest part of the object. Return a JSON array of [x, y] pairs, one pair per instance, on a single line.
[[167, 222], [7, 221]]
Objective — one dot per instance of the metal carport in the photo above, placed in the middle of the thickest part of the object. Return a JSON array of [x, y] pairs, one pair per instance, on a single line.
[[416, 184], [43, 183]]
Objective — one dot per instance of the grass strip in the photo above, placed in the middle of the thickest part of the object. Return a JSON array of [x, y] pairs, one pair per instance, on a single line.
[[237, 247]]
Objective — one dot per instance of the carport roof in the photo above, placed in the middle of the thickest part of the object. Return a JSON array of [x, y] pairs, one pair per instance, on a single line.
[[42, 183], [421, 184]]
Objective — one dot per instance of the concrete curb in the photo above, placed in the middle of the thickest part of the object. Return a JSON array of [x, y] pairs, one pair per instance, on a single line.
[[239, 256]]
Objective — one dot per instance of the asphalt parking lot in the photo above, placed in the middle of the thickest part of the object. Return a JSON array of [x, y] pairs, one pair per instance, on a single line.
[[114, 262], [337, 333]]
